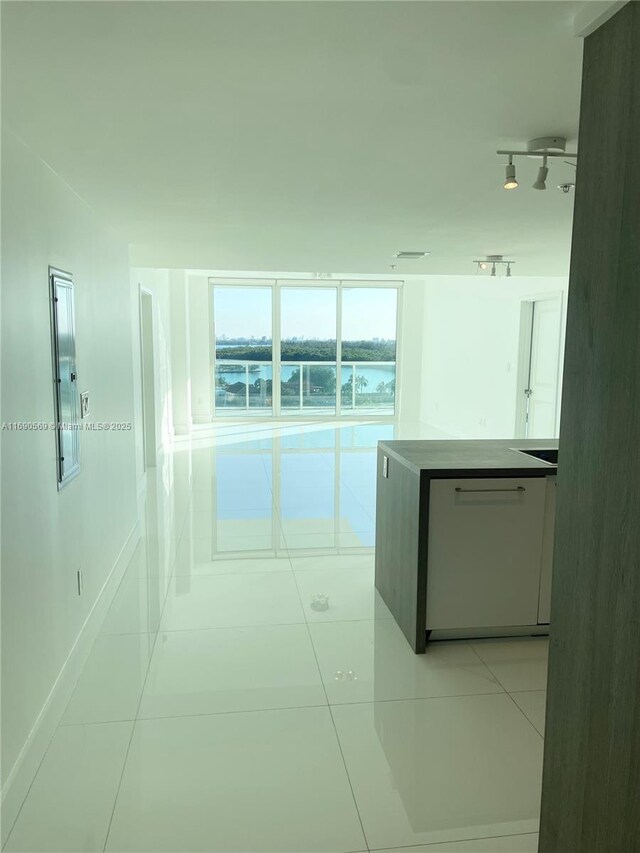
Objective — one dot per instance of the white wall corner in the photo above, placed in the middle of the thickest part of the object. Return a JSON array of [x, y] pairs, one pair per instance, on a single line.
[[593, 14]]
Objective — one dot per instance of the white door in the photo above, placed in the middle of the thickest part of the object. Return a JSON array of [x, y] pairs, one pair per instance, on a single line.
[[541, 389]]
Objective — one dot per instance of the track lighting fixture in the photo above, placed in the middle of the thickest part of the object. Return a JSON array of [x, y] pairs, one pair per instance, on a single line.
[[542, 148], [492, 264], [543, 171], [510, 182]]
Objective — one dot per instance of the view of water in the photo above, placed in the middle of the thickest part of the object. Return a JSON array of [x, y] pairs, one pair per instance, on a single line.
[[373, 374]]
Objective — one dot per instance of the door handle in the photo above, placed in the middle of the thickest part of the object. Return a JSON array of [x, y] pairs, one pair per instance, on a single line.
[[517, 489], [73, 377]]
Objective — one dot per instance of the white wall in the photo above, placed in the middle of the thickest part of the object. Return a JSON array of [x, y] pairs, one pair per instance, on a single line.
[[471, 346], [180, 352], [155, 282], [410, 351], [48, 535], [200, 348]]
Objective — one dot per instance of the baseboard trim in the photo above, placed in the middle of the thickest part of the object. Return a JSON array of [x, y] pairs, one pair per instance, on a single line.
[[28, 762]]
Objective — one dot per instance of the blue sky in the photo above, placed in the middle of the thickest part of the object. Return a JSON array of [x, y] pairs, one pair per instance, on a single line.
[[306, 312]]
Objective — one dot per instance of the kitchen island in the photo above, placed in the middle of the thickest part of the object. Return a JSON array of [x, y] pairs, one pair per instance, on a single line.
[[464, 537]]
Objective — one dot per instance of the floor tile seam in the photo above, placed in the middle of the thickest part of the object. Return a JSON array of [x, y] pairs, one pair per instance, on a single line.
[[410, 847], [315, 551], [354, 532], [215, 628], [328, 704], [441, 698], [271, 535], [350, 782], [272, 553], [162, 630], [486, 665], [528, 690], [133, 728], [355, 497], [333, 569], [508, 694], [32, 783], [234, 574], [524, 713], [124, 634], [313, 648], [415, 698], [344, 763], [107, 722], [230, 713]]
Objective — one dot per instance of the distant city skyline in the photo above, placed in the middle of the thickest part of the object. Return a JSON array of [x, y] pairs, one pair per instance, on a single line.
[[306, 313], [253, 339]]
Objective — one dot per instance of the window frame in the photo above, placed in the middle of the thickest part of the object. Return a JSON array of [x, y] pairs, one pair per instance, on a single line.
[[277, 285]]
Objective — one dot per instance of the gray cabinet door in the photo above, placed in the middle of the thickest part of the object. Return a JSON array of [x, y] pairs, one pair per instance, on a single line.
[[485, 550]]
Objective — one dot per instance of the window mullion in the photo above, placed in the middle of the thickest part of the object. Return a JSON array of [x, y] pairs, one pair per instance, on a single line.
[[339, 349]]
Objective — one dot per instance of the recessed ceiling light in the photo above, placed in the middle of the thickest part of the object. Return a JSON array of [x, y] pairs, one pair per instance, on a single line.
[[411, 256]]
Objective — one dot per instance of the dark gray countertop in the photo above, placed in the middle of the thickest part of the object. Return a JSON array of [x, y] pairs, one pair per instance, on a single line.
[[477, 458]]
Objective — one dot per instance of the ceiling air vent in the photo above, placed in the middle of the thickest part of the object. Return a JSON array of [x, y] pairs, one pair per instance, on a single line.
[[411, 256]]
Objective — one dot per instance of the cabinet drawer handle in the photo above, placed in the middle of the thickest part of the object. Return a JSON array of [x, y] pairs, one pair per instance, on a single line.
[[517, 489]]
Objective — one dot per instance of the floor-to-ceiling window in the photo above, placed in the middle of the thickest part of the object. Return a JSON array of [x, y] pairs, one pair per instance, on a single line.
[[243, 339], [290, 348], [308, 349], [368, 381]]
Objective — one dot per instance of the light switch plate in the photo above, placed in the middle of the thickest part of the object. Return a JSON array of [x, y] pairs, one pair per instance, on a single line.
[[385, 467], [84, 404]]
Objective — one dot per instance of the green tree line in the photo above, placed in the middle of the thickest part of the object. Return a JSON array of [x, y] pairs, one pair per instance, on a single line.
[[312, 351]]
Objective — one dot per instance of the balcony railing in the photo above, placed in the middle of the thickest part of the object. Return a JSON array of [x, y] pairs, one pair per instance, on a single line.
[[305, 386]]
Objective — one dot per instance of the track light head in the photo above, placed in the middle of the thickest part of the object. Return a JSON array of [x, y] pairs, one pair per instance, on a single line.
[[494, 265], [543, 171], [510, 182]]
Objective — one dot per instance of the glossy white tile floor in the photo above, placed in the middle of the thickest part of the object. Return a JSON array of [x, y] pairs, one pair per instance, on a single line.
[[249, 690]]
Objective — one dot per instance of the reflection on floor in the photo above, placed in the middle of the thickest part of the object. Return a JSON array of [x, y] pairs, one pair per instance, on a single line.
[[250, 692]]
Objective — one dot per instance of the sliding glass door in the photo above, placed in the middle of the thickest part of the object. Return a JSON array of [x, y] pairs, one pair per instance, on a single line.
[[308, 350], [368, 381], [243, 350], [291, 349]]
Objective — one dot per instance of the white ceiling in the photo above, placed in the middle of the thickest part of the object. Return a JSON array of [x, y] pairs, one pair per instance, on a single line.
[[302, 136]]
